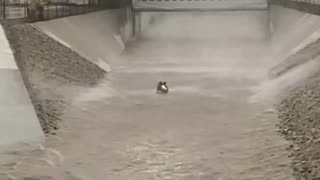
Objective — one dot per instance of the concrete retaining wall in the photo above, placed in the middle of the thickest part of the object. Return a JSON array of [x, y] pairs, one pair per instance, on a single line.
[[292, 31], [18, 120], [102, 37]]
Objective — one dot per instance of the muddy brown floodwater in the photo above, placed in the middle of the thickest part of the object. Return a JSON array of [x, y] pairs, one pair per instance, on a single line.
[[208, 127]]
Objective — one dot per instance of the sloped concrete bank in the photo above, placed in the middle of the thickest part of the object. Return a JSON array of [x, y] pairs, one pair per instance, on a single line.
[[50, 71], [293, 33], [106, 31]]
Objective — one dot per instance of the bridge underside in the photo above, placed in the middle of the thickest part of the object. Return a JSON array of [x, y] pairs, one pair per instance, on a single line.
[[198, 5]]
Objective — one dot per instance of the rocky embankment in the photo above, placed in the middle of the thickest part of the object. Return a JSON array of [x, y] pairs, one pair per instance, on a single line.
[[51, 72], [300, 124]]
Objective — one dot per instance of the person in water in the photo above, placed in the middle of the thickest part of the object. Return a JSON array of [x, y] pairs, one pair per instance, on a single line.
[[162, 88]]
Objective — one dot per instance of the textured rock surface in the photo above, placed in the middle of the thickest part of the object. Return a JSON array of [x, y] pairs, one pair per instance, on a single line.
[[48, 67], [300, 124]]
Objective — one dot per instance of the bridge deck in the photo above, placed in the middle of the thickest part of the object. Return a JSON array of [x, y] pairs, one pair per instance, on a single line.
[[199, 5]]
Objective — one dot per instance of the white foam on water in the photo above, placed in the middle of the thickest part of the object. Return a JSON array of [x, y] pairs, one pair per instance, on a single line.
[[120, 41], [102, 91]]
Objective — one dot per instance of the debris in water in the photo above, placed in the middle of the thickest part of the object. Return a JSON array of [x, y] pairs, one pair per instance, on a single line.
[[162, 88]]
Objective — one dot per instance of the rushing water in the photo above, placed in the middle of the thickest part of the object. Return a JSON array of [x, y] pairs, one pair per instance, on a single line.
[[208, 127]]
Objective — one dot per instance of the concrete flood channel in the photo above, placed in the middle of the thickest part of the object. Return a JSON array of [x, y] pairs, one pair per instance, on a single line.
[[217, 122]]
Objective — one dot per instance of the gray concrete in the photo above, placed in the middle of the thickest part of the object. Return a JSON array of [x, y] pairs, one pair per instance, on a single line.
[[18, 122], [18, 119], [292, 32], [113, 28]]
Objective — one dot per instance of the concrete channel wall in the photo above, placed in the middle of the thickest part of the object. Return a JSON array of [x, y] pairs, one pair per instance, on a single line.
[[292, 31], [18, 121], [308, 6], [108, 31]]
